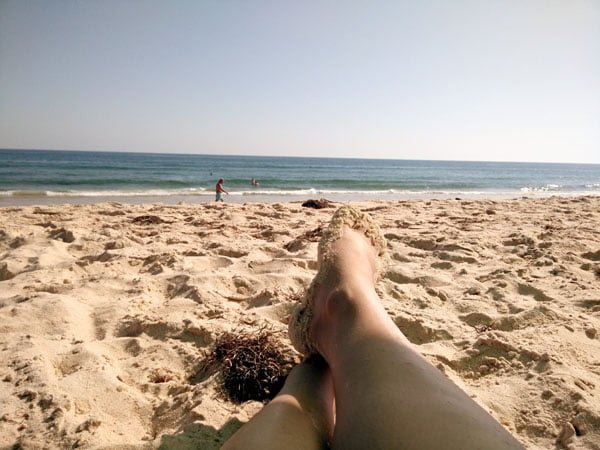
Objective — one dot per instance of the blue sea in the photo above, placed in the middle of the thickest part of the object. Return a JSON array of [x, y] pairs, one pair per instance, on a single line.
[[48, 176]]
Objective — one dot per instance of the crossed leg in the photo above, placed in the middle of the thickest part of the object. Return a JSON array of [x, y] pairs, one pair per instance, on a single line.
[[387, 395], [299, 417]]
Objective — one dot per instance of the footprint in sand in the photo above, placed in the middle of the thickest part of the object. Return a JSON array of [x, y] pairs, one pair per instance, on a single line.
[[153, 269], [17, 242], [422, 244], [537, 294], [132, 346], [418, 332], [187, 331], [396, 256], [114, 245], [5, 274], [516, 239], [263, 298], [232, 252], [102, 318], [62, 234], [179, 287], [53, 288], [589, 304], [477, 319], [280, 312], [444, 265], [166, 259], [400, 277], [537, 316], [246, 286], [447, 256], [592, 256], [203, 264], [274, 266], [111, 212], [302, 241], [104, 257]]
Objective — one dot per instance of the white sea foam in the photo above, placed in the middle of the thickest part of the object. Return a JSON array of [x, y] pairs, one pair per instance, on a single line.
[[549, 189], [204, 192], [546, 188]]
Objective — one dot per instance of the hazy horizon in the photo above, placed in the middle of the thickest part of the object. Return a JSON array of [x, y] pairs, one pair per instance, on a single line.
[[467, 81]]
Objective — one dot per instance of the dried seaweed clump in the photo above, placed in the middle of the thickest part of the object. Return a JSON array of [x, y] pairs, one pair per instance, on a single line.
[[252, 367]]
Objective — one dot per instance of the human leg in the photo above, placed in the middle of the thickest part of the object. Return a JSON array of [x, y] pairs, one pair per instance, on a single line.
[[299, 417], [387, 394]]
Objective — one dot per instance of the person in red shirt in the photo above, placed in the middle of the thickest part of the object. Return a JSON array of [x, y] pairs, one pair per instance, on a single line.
[[219, 190]]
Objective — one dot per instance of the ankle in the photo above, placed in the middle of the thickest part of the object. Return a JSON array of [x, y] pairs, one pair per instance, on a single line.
[[341, 310]]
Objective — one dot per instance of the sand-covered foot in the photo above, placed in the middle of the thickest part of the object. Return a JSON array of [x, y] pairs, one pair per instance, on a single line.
[[350, 254]]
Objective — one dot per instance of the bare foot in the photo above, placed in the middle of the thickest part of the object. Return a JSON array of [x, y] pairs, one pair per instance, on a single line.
[[344, 283], [346, 286]]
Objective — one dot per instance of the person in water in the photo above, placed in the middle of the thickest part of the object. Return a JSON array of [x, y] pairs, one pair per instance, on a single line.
[[254, 182], [220, 190], [364, 385]]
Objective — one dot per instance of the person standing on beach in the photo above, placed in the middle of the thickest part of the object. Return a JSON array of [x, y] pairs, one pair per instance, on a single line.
[[219, 190]]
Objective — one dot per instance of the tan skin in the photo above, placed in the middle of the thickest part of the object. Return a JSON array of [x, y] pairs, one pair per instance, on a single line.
[[387, 396]]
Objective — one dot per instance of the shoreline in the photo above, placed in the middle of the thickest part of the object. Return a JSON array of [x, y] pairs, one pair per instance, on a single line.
[[107, 309], [235, 198]]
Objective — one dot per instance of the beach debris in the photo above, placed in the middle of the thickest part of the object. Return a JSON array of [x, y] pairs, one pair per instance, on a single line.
[[318, 204], [147, 220], [252, 367]]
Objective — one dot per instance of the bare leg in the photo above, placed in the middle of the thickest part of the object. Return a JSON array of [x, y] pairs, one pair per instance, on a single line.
[[300, 417], [387, 395]]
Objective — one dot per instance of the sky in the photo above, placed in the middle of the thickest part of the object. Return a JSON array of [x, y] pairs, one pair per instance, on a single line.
[[512, 80]]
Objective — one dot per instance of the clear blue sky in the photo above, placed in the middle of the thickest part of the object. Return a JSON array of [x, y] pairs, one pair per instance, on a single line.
[[513, 80]]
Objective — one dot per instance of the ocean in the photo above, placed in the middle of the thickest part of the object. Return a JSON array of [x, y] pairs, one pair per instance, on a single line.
[[48, 176]]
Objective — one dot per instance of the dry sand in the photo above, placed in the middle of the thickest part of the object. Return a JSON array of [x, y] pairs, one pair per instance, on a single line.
[[103, 320]]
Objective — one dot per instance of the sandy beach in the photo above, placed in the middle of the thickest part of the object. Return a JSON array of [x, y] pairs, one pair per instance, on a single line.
[[107, 310]]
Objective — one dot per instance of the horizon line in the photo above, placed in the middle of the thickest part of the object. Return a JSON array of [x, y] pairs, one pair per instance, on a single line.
[[145, 152]]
